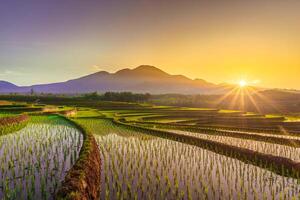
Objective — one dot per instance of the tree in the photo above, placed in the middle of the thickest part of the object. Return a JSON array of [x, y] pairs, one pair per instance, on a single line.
[[32, 92], [92, 96]]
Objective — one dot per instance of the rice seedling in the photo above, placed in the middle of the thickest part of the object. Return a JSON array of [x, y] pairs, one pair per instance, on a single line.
[[288, 140], [10, 124], [139, 166], [5, 115], [35, 159], [263, 147]]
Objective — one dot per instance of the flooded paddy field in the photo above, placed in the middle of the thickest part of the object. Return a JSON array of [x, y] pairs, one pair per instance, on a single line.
[[139, 166], [34, 160], [292, 153]]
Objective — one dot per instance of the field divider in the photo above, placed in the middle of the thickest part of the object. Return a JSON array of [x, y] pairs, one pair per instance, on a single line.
[[82, 181], [235, 134], [282, 166], [12, 124], [264, 131]]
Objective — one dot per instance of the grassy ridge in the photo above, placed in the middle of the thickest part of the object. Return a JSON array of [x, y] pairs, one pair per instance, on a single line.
[[12, 124], [83, 180]]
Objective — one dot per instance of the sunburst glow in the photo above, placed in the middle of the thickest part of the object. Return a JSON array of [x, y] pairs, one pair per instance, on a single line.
[[243, 83]]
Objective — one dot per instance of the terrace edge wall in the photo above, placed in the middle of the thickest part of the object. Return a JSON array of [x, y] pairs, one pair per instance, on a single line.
[[82, 181]]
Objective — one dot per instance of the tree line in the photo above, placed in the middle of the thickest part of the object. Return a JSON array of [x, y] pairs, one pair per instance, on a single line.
[[118, 96]]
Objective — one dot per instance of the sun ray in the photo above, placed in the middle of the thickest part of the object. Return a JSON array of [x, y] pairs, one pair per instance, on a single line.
[[232, 91], [234, 101], [250, 97], [243, 98], [266, 100]]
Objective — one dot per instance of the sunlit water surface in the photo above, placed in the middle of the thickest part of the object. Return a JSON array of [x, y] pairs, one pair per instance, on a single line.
[[34, 160]]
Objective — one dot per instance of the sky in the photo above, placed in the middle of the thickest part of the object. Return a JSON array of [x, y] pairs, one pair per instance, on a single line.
[[43, 41]]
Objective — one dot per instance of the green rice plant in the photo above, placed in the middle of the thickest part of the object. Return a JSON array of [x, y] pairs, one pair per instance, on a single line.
[[290, 152], [141, 166], [33, 158], [10, 124]]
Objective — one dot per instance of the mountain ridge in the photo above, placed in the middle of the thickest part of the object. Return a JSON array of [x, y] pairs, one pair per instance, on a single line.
[[142, 79]]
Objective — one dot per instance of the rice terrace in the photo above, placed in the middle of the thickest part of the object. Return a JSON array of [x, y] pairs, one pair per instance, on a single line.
[[143, 151], [149, 100]]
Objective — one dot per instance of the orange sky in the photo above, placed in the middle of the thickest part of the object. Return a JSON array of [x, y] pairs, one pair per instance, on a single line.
[[213, 40]]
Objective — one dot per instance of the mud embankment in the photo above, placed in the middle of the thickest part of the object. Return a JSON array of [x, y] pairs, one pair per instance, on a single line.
[[82, 182], [12, 124]]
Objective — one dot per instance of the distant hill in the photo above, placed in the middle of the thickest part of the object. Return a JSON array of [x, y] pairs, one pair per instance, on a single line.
[[8, 87], [140, 80]]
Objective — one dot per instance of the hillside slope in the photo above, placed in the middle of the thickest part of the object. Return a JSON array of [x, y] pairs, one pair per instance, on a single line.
[[140, 80]]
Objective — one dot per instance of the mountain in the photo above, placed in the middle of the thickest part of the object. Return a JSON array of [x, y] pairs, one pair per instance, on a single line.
[[7, 87], [139, 80]]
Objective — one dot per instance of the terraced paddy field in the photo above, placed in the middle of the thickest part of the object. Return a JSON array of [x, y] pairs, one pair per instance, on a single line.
[[218, 119], [136, 165], [34, 160], [258, 146], [2, 103], [152, 153], [5, 115]]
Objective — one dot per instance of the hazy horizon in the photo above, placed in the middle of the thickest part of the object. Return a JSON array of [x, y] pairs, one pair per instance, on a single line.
[[54, 41], [131, 68]]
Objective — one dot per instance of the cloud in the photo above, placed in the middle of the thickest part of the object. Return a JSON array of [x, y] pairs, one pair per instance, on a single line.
[[11, 73], [96, 68], [6, 73]]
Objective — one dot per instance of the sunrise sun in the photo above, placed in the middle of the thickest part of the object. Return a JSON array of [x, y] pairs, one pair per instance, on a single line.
[[243, 83]]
